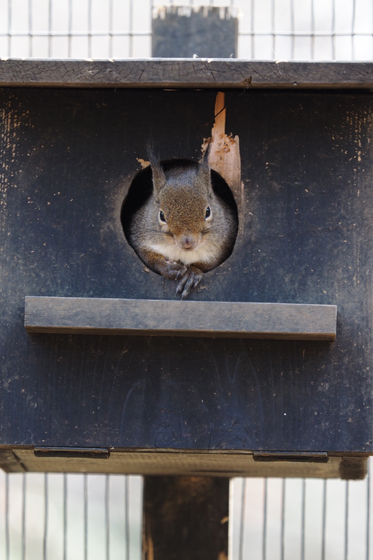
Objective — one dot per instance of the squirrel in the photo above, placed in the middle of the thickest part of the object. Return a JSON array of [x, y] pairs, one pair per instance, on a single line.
[[183, 229]]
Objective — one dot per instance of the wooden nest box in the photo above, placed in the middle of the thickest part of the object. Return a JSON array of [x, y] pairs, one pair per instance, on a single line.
[[266, 368]]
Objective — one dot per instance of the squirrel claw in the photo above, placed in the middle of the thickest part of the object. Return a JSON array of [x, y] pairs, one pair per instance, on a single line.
[[190, 280], [181, 272], [174, 270]]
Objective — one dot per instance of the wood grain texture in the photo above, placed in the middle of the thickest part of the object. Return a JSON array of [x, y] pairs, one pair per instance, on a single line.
[[185, 73], [180, 318], [168, 462], [9, 462]]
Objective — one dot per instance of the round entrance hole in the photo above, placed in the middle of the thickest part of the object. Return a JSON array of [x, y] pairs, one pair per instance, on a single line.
[[140, 193]]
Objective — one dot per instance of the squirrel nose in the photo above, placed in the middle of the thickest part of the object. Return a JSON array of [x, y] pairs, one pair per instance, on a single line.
[[187, 242]]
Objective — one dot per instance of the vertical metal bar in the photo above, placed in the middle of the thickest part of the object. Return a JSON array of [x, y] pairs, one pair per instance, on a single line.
[[131, 29], [292, 29], [89, 28], [9, 28], [7, 536], [23, 516], [346, 521], [283, 519], [85, 517], [110, 28], [367, 556], [70, 24], [107, 515], [252, 29], [323, 540], [152, 11], [45, 538], [353, 29], [273, 29], [264, 543], [312, 30], [30, 28], [303, 522], [242, 524], [50, 28], [333, 29], [64, 516], [126, 516]]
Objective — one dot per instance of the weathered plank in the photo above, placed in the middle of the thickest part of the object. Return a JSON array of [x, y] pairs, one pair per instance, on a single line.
[[185, 73], [180, 318], [183, 462]]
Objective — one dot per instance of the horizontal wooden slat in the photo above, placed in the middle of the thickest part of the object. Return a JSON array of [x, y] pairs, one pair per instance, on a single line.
[[166, 462], [185, 73], [180, 318]]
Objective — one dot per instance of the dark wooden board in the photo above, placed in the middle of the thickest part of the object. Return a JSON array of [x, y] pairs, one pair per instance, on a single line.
[[180, 318], [305, 236], [185, 73]]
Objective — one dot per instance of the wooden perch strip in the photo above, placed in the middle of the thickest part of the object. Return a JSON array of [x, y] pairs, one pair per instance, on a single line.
[[180, 318], [185, 73]]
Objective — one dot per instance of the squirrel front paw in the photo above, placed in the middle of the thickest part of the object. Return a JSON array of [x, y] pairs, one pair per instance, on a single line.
[[190, 278], [173, 270]]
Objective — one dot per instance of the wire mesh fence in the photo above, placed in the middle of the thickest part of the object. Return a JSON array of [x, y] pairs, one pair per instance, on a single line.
[[70, 517], [301, 519], [268, 29], [98, 517]]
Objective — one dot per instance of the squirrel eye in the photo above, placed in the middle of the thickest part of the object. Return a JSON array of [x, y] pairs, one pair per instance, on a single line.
[[208, 212], [161, 217]]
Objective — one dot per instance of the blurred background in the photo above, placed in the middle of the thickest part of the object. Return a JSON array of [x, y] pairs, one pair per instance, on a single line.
[[98, 517], [268, 29]]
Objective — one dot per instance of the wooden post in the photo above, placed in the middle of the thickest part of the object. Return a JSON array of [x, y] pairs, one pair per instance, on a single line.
[[185, 517], [184, 31]]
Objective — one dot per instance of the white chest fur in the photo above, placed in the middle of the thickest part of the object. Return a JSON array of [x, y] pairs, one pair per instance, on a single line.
[[203, 253]]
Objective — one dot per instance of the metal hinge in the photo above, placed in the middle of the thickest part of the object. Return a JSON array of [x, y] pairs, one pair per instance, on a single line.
[[73, 452], [293, 456]]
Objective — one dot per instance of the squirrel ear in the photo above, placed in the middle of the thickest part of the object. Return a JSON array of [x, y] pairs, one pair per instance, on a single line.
[[205, 157], [204, 169], [159, 178]]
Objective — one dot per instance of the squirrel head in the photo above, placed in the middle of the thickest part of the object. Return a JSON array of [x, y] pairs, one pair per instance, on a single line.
[[184, 199]]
